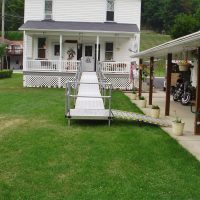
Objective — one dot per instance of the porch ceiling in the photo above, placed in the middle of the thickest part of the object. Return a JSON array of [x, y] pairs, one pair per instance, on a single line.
[[182, 44], [107, 27]]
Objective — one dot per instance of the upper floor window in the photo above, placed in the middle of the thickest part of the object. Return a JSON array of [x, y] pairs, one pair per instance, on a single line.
[[110, 10], [48, 9]]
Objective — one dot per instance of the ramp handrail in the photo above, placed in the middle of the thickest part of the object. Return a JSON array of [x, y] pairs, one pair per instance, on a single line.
[[103, 86]]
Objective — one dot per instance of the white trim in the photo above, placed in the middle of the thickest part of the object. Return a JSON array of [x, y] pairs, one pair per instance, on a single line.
[[170, 46], [84, 31]]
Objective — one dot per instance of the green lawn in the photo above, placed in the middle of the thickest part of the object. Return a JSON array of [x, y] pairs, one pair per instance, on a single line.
[[42, 158]]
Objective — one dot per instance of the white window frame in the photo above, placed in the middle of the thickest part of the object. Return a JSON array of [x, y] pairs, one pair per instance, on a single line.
[[51, 11], [109, 51], [110, 10]]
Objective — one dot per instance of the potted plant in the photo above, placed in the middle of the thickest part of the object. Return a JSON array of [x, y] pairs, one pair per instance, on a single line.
[[142, 102], [183, 65], [177, 126], [134, 94], [155, 111]]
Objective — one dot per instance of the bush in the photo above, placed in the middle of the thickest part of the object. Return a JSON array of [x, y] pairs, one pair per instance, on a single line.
[[184, 25], [6, 74]]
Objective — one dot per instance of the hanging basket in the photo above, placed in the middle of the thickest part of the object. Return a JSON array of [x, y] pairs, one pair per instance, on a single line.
[[183, 67]]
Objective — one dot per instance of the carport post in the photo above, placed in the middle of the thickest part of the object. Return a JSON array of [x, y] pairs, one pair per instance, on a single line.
[[197, 118], [140, 77], [151, 80], [168, 84]]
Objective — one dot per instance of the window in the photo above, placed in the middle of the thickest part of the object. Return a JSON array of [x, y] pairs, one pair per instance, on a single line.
[[56, 50], [109, 51], [48, 9], [88, 51], [41, 47], [110, 10]]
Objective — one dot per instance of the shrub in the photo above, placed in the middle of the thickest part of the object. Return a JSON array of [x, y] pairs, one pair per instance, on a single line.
[[141, 98], [6, 74], [155, 107]]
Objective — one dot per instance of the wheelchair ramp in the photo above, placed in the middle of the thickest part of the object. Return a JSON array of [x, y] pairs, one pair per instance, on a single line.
[[139, 117], [89, 99]]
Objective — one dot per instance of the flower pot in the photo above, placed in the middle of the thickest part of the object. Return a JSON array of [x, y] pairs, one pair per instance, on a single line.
[[134, 96], [155, 113], [142, 103], [183, 67], [177, 128], [145, 86]]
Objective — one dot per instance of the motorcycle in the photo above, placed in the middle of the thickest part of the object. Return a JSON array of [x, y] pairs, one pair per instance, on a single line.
[[189, 93], [184, 92], [178, 90]]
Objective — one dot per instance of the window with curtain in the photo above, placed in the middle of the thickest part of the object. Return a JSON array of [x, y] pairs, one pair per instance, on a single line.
[[109, 51], [110, 10], [48, 9]]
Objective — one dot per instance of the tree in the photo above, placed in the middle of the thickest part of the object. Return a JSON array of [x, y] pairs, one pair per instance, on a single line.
[[184, 25], [14, 12]]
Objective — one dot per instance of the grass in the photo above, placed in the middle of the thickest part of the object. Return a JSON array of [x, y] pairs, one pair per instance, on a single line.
[[42, 158], [151, 39]]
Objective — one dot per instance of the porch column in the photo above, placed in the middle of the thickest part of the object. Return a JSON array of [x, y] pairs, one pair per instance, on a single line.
[[151, 80], [97, 48], [61, 52], [168, 84], [60, 60], [25, 52], [140, 77], [197, 117], [97, 52]]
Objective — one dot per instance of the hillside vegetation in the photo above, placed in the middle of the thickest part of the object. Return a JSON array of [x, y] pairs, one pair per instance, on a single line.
[[150, 39]]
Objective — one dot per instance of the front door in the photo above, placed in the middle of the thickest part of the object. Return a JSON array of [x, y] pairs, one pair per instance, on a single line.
[[88, 57]]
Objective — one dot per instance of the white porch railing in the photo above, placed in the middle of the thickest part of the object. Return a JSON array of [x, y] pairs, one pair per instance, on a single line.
[[70, 65], [52, 65], [114, 67]]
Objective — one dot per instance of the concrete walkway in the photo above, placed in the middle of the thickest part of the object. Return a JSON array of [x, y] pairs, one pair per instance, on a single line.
[[189, 141]]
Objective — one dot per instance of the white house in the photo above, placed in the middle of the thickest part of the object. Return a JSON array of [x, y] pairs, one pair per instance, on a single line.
[[61, 35]]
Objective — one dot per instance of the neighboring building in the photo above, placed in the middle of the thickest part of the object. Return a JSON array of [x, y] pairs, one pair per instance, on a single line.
[[14, 54], [60, 33]]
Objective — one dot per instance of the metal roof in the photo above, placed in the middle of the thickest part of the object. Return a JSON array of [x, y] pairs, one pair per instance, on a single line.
[[51, 25], [186, 43]]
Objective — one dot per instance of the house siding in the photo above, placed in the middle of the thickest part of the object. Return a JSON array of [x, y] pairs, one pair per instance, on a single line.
[[126, 11], [34, 10], [80, 10]]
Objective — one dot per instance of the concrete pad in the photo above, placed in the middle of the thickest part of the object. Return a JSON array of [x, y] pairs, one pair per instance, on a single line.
[[189, 141]]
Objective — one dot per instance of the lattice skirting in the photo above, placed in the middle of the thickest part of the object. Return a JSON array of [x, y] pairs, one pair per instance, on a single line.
[[119, 81], [46, 81]]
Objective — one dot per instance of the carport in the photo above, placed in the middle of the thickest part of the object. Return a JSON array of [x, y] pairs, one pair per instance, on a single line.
[[187, 47]]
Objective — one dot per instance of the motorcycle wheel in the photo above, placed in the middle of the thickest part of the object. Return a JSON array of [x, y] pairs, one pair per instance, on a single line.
[[175, 97], [185, 99]]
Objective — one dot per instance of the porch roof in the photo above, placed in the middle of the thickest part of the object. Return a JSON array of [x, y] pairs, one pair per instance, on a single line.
[[50, 25], [185, 43]]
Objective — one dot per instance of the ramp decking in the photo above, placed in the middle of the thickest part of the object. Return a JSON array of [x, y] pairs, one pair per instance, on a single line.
[[89, 103]]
